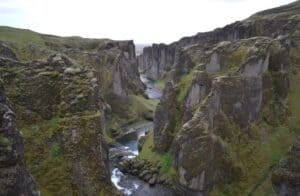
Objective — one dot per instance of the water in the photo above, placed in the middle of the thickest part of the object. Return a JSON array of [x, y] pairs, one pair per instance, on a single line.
[[131, 140], [152, 92], [128, 149], [128, 184]]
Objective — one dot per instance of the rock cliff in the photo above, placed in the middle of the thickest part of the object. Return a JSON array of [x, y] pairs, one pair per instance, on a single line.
[[60, 110], [65, 92], [229, 111], [14, 177], [158, 59]]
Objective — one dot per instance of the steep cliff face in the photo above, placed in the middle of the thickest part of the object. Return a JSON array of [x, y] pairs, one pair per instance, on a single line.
[[113, 62], [115, 67], [14, 177], [229, 111], [159, 58], [156, 60], [61, 112]]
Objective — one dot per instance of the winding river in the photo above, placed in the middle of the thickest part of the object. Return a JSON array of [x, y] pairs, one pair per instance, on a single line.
[[128, 149]]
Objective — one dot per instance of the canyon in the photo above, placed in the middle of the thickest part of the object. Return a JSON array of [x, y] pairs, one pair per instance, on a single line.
[[217, 113]]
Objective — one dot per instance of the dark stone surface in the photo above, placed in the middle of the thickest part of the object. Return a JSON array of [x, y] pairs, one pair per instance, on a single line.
[[14, 177]]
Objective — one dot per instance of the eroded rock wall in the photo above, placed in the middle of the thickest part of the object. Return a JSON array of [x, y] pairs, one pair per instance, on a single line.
[[14, 176], [158, 59], [231, 104], [60, 108]]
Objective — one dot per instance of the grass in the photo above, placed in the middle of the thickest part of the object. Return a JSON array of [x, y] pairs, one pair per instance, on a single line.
[[21, 41], [149, 154], [140, 107], [147, 151], [135, 108], [166, 163], [149, 104], [21, 36]]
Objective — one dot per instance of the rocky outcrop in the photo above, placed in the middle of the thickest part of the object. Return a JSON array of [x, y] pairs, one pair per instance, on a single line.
[[14, 177], [145, 171], [66, 91], [59, 106], [164, 119], [224, 99], [245, 62], [286, 176], [6, 52], [156, 60], [113, 62], [199, 89], [159, 58], [235, 99]]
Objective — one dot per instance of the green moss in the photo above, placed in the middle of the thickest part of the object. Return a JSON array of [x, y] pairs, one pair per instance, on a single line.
[[160, 84], [294, 93], [106, 80], [184, 84], [46, 159], [56, 151], [4, 141], [233, 61], [109, 140], [261, 148], [181, 93], [256, 155], [166, 163], [49, 153]]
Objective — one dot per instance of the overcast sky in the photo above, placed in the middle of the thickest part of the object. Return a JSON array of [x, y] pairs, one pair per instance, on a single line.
[[144, 21]]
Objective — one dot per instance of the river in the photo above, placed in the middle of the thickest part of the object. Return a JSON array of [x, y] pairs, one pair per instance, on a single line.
[[128, 149]]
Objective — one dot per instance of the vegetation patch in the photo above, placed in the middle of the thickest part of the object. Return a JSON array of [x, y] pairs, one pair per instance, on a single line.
[[184, 84], [233, 61], [160, 84], [21, 36], [45, 157], [166, 162], [139, 108], [256, 157], [148, 153]]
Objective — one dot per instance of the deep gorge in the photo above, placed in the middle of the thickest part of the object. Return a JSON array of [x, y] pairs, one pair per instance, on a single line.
[[212, 114]]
